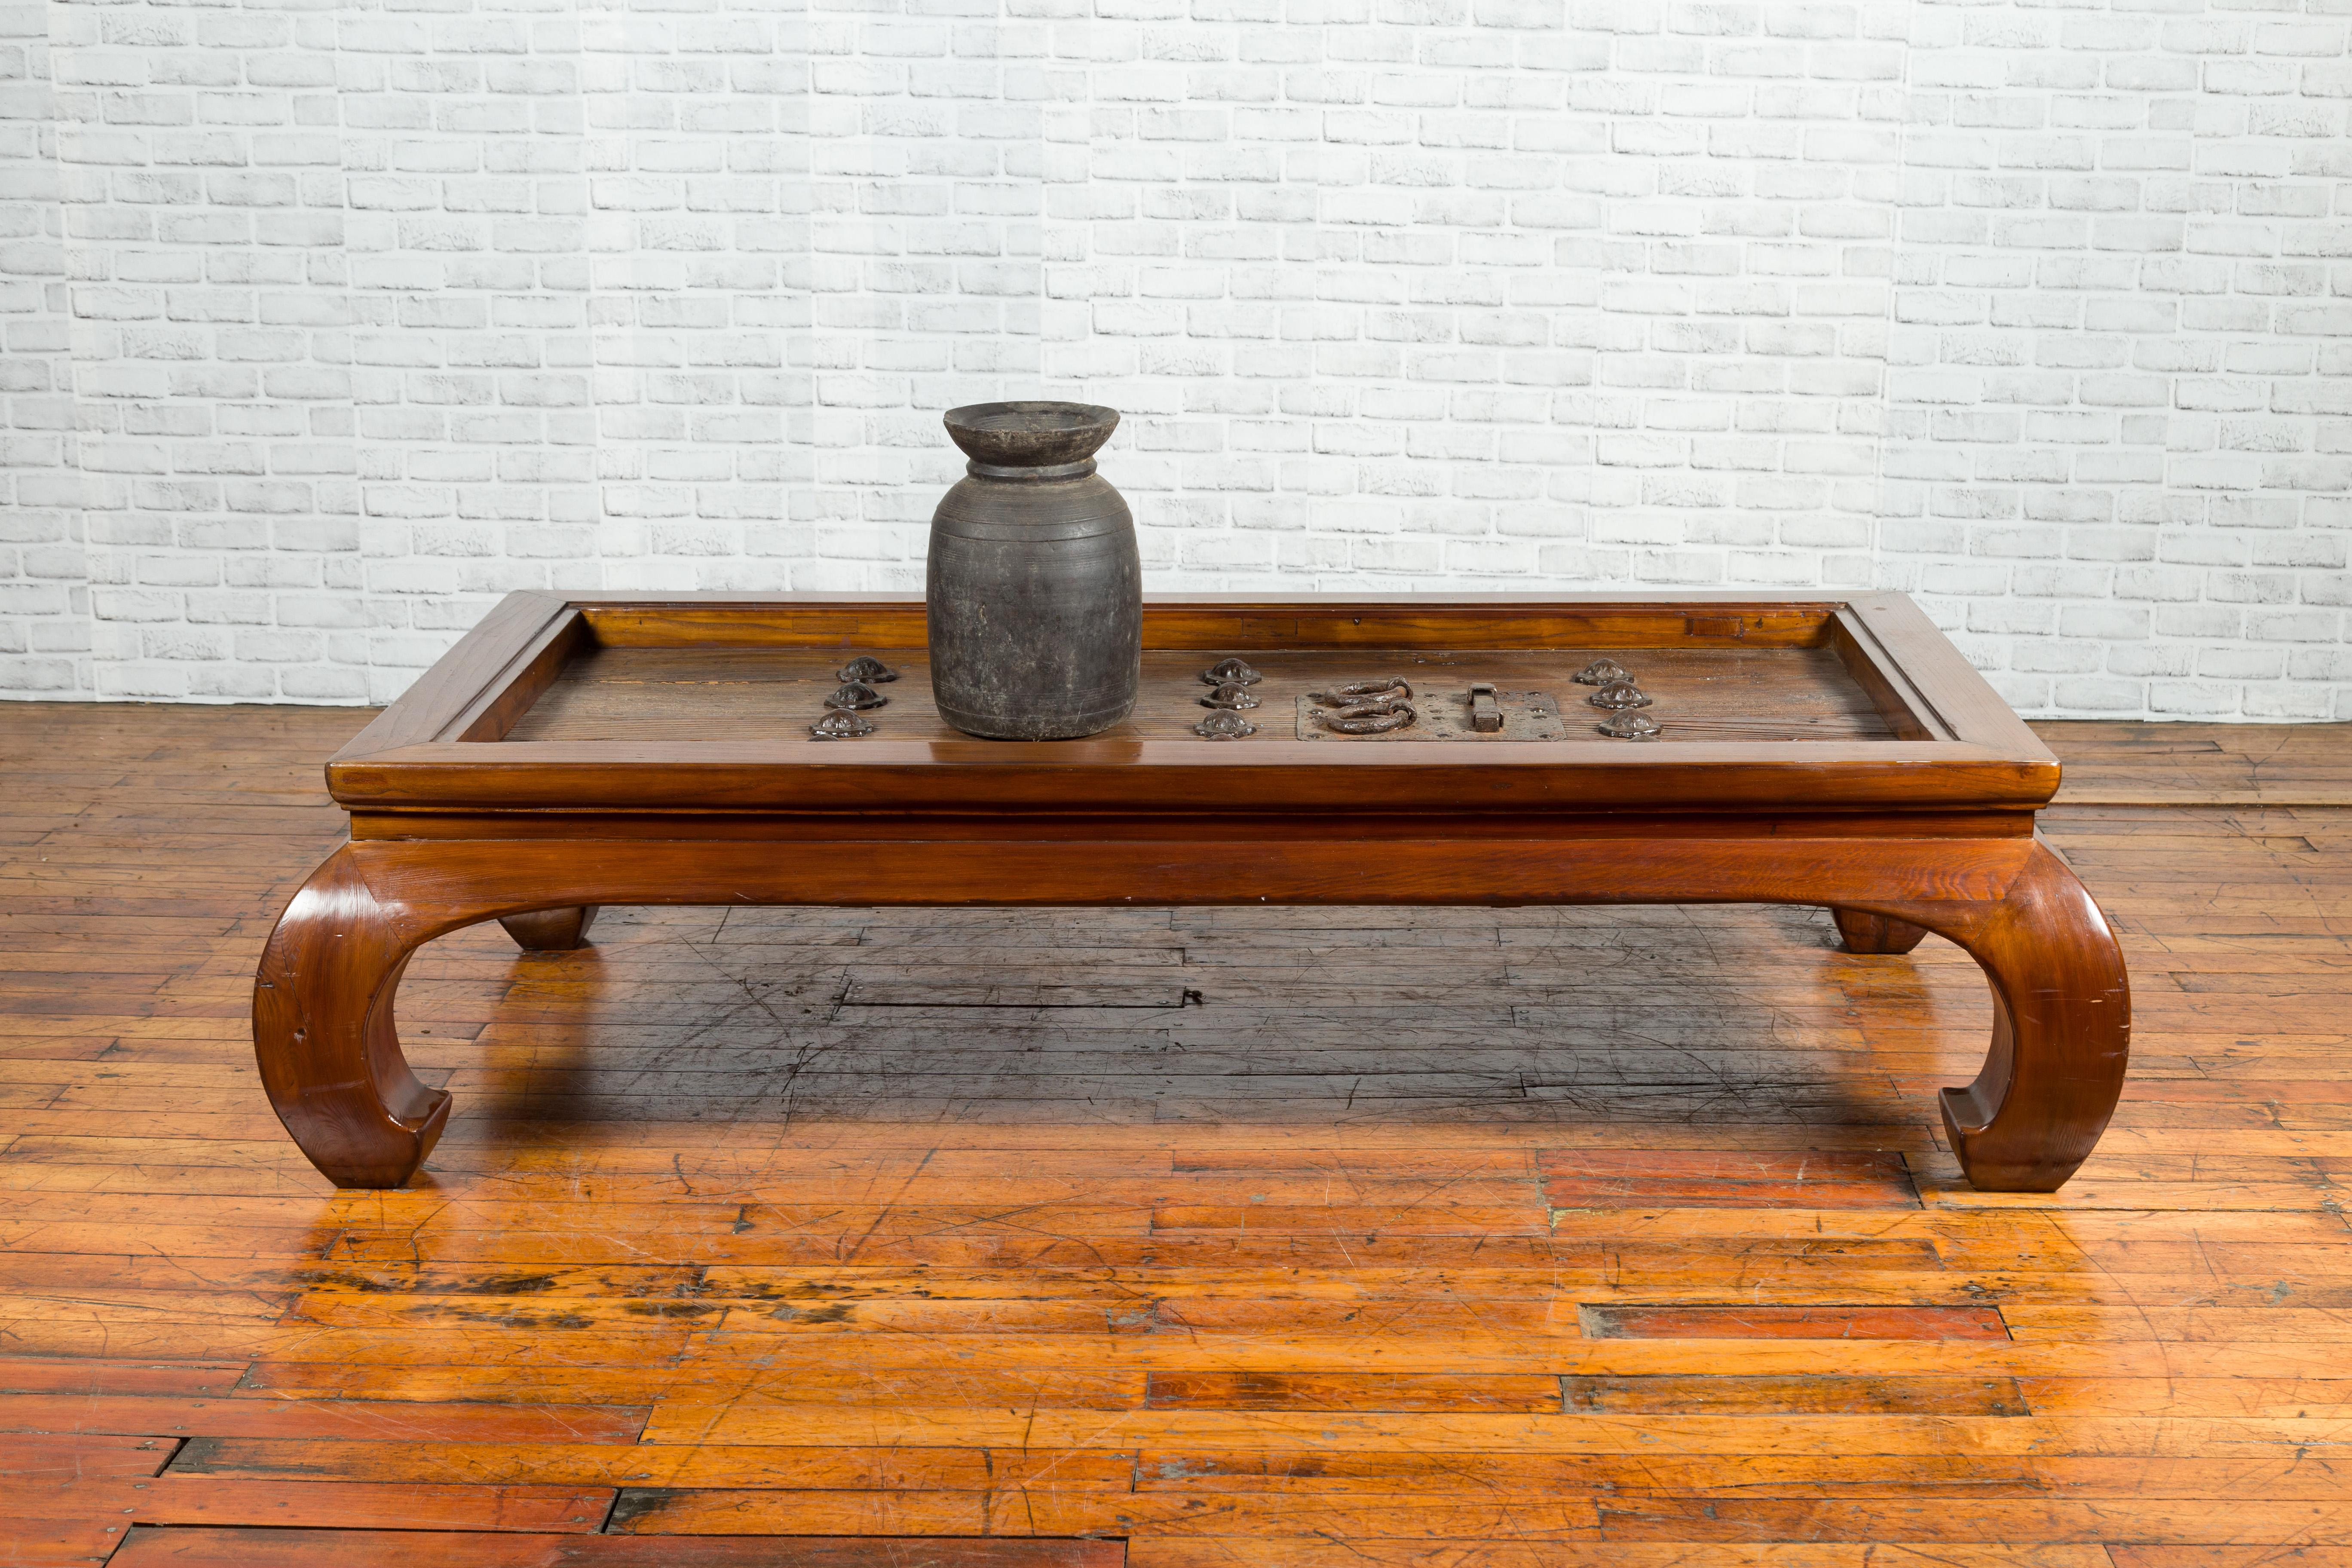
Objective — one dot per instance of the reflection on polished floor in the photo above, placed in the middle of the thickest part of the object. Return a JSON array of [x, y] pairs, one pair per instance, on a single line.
[[1480, 1238]]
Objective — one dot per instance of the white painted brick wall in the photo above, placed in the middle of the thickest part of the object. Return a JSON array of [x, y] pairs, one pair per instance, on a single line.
[[328, 322], [2119, 382]]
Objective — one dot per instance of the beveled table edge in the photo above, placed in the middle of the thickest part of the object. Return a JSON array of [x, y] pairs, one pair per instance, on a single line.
[[1973, 752]]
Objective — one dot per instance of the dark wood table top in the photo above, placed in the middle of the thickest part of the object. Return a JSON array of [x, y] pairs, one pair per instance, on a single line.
[[703, 702]]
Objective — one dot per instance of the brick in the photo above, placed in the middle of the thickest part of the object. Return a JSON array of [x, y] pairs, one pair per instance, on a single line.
[[391, 311]]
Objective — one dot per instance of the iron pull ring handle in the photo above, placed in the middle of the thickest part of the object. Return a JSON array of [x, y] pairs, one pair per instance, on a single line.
[[1371, 717]]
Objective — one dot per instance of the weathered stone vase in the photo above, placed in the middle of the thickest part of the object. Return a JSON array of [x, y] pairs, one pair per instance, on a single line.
[[1034, 587]]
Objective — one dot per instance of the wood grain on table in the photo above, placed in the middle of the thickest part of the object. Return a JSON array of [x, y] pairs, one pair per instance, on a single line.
[[733, 694]]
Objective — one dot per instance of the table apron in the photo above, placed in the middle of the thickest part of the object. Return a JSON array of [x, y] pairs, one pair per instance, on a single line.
[[444, 885], [1468, 829]]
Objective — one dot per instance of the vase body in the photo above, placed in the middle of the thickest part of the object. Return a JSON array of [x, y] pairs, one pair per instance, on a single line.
[[1035, 588]]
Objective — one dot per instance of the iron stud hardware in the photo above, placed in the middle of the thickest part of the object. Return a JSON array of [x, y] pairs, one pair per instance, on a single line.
[[1225, 725], [841, 725], [856, 695], [1620, 694], [1629, 724], [1230, 695]]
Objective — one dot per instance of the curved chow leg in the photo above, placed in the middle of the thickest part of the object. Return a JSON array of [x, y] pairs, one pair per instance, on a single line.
[[552, 931], [2061, 1028], [323, 1031], [1876, 933], [330, 1058]]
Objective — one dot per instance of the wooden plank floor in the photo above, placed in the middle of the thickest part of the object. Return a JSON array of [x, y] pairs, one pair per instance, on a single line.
[[2203, 765], [1186, 1239]]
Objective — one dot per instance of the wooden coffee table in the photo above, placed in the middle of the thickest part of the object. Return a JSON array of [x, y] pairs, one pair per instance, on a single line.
[[576, 751]]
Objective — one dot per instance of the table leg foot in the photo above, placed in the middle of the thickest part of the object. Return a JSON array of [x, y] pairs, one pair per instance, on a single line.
[[1876, 933], [2062, 1030], [552, 931], [323, 1033]]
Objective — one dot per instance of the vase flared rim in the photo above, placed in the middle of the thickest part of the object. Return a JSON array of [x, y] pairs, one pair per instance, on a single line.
[[1030, 435]]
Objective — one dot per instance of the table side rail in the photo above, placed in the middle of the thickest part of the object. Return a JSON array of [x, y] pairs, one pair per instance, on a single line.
[[1910, 715], [1231, 834], [1198, 778], [476, 670], [500, 878], [1946, 684], [1338, 624], [526, 678]]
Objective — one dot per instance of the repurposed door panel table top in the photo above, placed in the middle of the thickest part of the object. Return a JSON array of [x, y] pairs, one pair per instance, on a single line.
[[573, 751]]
